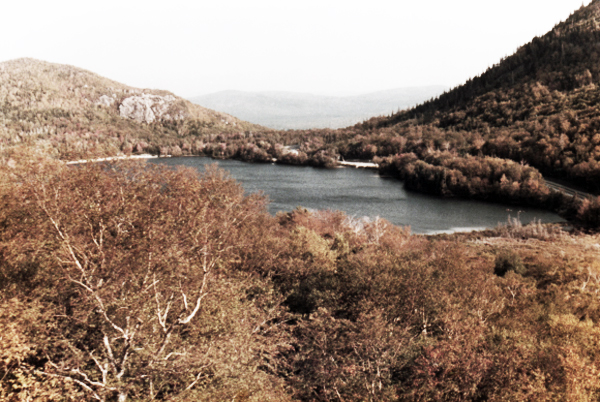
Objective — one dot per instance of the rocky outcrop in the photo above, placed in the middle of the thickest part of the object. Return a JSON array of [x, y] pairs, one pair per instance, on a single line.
[[147, 108], [105, 100]]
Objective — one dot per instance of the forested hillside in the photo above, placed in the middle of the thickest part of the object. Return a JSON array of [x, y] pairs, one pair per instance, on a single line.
[[73, 113], [535, 112], [539, 105], [129, 282]]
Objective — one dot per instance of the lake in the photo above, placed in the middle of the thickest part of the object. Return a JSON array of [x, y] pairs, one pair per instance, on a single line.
[[362, 192]]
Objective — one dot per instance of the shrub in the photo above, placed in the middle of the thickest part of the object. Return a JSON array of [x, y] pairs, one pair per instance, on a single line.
[[508, 261], [515, 229]]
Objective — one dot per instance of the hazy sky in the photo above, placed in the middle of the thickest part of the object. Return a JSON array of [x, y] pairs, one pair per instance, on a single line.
[[318, 46]]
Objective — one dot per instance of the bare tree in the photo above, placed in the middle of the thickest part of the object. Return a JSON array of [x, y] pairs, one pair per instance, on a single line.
[[138, 251]]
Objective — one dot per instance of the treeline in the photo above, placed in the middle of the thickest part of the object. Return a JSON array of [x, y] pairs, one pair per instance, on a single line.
[[134, 282], [537, 108], [483, 178]]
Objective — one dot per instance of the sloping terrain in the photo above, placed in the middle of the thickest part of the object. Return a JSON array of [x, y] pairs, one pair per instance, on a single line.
[[132, 282], [129, 282], [539, 105], [72, 113]]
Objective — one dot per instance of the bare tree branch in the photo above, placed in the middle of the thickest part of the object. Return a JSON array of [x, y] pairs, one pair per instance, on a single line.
[[198, 302], [102, 369], [198, 377], [111, 356], [78, 382]]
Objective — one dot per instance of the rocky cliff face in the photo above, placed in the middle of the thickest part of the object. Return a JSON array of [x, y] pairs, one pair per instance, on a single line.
[[147, 108]]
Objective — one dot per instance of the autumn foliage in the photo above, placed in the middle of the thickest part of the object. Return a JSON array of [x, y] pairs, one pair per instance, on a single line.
[[133, 282], [137, 282]]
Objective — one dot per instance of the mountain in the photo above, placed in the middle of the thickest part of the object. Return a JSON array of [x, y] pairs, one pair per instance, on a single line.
[[292, 110], [540, 106], [72, 113]]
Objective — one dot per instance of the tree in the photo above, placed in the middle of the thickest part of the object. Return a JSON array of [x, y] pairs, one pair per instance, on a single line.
[[138, 300]]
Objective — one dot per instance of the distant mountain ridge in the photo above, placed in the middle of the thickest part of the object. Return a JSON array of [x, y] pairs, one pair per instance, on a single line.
[[293, 110]]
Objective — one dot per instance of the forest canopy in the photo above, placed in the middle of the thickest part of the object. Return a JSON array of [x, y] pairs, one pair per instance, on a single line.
[[129, 281]]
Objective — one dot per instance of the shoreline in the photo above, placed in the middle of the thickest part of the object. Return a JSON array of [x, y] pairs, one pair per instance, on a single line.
[[340, 164], [433, 229], [363, 165], [577, 193], [115, 158]]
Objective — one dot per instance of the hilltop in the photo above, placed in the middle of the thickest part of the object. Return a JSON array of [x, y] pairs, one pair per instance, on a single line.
[[292, 110], [71, 113], [539, 105]]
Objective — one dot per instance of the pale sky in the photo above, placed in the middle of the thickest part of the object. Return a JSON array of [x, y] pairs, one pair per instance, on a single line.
[[317, 46]]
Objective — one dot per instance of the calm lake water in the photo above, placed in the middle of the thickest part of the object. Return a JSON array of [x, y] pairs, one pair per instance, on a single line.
[[362, 192]]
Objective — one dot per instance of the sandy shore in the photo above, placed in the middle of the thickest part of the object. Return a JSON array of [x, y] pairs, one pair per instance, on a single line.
[[114, 158], [364, 165]]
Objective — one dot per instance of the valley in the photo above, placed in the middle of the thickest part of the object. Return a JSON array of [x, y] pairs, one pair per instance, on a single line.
[[290, 110], [431, 278]]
